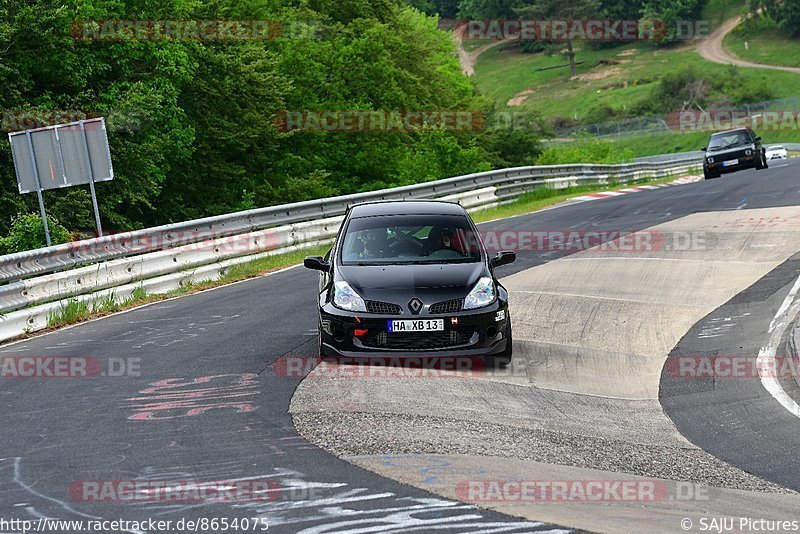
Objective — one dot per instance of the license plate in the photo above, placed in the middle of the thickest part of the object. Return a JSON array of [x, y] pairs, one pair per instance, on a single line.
[[416, 325], [730, 162]]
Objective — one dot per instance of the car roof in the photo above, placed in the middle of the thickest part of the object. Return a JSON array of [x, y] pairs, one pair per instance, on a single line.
[[406, 207], [742, 129]]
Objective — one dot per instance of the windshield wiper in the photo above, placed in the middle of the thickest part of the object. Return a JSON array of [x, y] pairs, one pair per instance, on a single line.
[[437, 262]]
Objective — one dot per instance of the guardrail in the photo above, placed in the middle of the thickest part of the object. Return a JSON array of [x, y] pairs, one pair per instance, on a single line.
[[165, 257]]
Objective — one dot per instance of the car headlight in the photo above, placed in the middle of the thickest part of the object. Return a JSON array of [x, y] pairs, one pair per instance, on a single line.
[[481, 295], [748, 152], [710, 160], [346, 298]]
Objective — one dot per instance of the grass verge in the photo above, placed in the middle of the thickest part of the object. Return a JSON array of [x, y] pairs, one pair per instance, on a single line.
[[76, 311], [544, 197], [668, 143]]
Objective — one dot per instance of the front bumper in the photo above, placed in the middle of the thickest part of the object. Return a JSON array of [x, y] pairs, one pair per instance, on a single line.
[[479, 332], [745, 162]]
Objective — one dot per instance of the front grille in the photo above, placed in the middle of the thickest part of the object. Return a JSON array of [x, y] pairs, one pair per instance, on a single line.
[[447, 306], [455, 337], [376, 306]]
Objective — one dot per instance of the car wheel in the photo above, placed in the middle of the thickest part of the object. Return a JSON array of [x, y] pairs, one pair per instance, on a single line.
[[709, 175], [501, 360], [766, 162]]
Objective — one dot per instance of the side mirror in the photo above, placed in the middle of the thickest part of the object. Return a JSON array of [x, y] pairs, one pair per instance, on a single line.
[[316, 263], [758, 138], [704, 148], [503, 257]]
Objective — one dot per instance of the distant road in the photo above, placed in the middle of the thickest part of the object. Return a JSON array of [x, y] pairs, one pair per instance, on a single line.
[[713, 50], [468, 59]]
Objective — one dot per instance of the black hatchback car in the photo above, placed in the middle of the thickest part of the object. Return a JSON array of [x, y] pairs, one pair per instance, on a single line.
[[733, 150], [412, 278]]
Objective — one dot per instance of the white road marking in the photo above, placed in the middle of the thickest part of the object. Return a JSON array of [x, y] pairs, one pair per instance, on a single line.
[[786, 314]]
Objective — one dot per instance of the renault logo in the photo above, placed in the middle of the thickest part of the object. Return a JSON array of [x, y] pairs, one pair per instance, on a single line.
[[415, 305]]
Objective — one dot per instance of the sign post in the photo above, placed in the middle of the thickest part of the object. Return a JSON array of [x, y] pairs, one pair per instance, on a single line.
[[91, 178], [38, 187]]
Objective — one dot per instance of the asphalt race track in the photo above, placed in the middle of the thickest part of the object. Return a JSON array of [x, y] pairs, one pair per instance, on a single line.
[[186, 390]]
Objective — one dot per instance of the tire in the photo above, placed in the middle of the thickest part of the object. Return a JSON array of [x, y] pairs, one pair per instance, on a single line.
[[762, 163], [709, 175], [320, 347], [503, 359], [320, 351]]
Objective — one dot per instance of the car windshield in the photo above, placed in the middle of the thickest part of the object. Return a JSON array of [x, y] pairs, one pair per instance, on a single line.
[[410, 239], [728, 139], [777, 147]]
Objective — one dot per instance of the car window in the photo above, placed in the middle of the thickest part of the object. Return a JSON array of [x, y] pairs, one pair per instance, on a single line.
[[413, 239]]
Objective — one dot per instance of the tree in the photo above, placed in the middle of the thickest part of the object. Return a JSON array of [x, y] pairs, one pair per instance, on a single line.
[[191, 122], [561, 11], [785, 12], [488, 9], [669, 13]]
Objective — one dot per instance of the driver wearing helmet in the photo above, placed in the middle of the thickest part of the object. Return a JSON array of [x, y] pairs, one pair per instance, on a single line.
[[376, 243], [439, 238]]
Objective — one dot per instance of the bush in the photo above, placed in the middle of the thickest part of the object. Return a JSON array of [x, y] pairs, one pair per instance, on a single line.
[[437, 155], [602, 112], [27, 233], [689, 89], [513, 139], [585, 150]]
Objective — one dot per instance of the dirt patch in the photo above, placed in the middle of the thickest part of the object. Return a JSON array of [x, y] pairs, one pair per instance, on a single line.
[[520, 97], [599, 75]]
